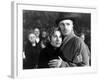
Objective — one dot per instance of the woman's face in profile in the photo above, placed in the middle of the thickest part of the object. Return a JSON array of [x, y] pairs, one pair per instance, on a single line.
[[56, 39], [32, 37]]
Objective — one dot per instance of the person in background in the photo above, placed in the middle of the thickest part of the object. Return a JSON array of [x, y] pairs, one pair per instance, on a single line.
[[37, 33], [73, 47], [32, 51], [82, 36], [52, 50], [44, 39]]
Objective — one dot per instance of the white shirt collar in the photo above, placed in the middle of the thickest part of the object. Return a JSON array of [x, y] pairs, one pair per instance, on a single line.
[[37, 40]]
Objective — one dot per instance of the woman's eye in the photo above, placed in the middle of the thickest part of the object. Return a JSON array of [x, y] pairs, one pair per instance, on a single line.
[[54, 36], [62, 24]]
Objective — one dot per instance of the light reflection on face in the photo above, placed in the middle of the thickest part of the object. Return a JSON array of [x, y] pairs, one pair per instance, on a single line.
[[82, 36], [56, 39]]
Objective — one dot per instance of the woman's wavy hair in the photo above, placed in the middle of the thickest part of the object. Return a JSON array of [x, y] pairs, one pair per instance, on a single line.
[[53, 30]]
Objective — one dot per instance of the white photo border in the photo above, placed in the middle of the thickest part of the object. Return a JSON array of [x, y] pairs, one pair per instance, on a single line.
[[17, 68]]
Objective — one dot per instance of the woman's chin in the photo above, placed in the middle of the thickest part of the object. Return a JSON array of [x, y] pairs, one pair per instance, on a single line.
[[58, 45]]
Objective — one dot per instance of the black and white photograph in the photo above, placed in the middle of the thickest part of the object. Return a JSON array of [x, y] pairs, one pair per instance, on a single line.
[[56, 39], [53, 39]]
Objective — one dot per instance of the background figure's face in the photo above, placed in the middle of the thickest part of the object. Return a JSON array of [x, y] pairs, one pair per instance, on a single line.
[[44, 34], [37, 32], [32, 37], [56, 39], [66, 26], [82, 37]]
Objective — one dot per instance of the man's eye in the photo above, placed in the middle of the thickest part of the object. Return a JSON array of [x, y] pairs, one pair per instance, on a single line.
[[67, 24], [62, 24]]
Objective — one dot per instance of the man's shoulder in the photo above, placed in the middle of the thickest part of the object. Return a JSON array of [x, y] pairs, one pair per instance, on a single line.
[[77, 40], [74, 41]]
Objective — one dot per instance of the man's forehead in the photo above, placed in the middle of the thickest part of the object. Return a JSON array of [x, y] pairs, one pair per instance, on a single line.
[[36, 29], [66, 21]]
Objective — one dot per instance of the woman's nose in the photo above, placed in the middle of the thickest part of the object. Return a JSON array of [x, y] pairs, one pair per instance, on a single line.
[[57, 38]]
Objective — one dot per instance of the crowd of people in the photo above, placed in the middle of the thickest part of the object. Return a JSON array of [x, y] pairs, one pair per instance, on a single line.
[[61, 48]]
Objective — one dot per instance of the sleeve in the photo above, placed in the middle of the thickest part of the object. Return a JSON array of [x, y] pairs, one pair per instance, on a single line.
[[64, 64], [81, 57]]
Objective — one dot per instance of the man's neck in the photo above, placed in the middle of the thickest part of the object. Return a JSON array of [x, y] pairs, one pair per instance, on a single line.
[[71, 33], [67, 37]]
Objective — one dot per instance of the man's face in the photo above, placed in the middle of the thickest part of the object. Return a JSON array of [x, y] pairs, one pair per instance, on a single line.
[[37, 32], [56, 39], [32, 37], [82, 36], [66, 26]]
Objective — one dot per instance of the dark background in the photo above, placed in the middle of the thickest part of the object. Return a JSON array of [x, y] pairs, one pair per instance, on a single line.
[[45, 20]]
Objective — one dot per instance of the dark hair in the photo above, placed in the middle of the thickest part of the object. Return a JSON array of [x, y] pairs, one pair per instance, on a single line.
[[52, 32]]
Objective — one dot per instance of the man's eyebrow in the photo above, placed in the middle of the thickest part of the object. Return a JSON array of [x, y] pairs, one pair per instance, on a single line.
[[62, 23]]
